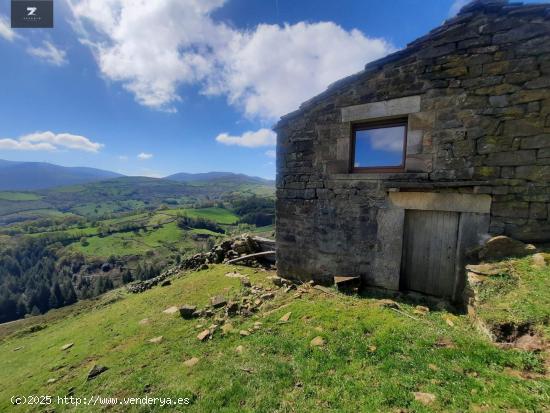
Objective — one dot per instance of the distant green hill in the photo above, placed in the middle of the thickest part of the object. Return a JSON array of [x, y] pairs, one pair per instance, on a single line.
[[27, 176]]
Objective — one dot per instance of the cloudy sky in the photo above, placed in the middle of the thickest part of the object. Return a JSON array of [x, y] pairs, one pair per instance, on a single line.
[[157, 87]]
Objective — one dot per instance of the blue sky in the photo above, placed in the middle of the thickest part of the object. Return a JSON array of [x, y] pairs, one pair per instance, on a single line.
[[154, 88]]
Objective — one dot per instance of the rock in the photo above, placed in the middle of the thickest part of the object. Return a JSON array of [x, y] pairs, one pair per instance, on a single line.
[[257, 325], [245, 282], [539, 261], [95, 371], [208, 313], [218, 301], [232, 308], [387, 303], [171, 310], [502, 246], [267, 296], [188, 311], [227, 328], [421, 310], [67, 346], [203, 267], [372, 348], [486, 269], [156, 340], [204, 335], [278, 281], [234, 274], [17, 348], [165, 283], [239, 349], [50, 381], [317, 342], [424, 398], [106, 267], [285, 317], [529, 343], [144, 321], [191, 362], [244, 333]]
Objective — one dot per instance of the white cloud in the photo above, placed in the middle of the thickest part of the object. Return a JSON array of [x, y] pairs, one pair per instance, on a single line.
[[270, 71], [5, 30], [456, 6], [49, 53], [387, 139], [271, 153], [261, 137], [123, 158], [144, 156], [49, 141], [154, 47]]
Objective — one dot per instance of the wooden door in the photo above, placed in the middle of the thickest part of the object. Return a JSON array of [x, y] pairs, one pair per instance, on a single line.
[[429, 252]]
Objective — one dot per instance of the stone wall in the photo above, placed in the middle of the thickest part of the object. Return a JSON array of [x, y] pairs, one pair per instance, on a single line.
[[477, 95]]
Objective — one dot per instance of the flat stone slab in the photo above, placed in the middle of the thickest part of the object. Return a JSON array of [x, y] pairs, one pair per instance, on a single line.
[[171, 310]]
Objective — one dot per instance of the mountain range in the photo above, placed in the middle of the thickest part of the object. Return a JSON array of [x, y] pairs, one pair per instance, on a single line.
[[29, 176]]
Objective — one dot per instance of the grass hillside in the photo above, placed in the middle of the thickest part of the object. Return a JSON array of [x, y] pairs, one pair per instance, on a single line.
[[369, 357]]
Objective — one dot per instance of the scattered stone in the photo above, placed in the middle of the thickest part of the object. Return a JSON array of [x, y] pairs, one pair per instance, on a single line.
[[276, 280], [234, 274], [203, 335], [318, 328], [486, 269], [156, 340], [289, 288], [203, 267], [165, 283], [232, 308], [17, 348], [144, 321], [66, 346], [387, 303], [444, 342], [317, 342], [208, 313], [247, 370], [188, 311], [191, 362], [449, 322], [227, 328], [50, 381], [539, 261], [239, 349], [95, 371], [502, 246], [171, 310], [267, 296], [529, 342], [372, 348], [244, 333], [424, 398], [421, 310], [218, 301], [257, 325], [245, 282], [285, 317]]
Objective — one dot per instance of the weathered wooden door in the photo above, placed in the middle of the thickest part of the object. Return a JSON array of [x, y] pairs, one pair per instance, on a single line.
[[429, 252]]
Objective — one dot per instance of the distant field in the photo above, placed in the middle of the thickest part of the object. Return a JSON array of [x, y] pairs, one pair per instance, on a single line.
[[133, 243], [18, 196], [218, 215]]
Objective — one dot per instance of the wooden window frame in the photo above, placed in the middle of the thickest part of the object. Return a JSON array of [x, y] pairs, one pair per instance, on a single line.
[[378, 125]]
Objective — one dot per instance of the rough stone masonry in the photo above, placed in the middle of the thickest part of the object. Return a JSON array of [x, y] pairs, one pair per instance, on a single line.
[[476, 94]]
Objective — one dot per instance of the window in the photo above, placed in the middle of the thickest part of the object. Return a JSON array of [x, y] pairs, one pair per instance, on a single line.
[[379, 147]]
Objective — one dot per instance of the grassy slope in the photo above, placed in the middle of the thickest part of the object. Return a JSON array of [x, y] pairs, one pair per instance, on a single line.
[[520, 294], [374, 357], [18, 196]]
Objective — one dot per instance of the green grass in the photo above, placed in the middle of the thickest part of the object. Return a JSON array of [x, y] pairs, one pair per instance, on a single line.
[[374, 359], [520, 294], [19, 196], [218, 215], [168, 236]]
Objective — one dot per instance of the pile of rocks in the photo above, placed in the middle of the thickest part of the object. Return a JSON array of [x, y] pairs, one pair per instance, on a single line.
[[141, 286], [231, 249]]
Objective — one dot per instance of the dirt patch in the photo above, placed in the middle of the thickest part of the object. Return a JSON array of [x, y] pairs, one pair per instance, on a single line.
[[520, 336]]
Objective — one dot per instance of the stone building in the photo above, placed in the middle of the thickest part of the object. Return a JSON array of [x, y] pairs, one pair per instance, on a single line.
[[394, 173]]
